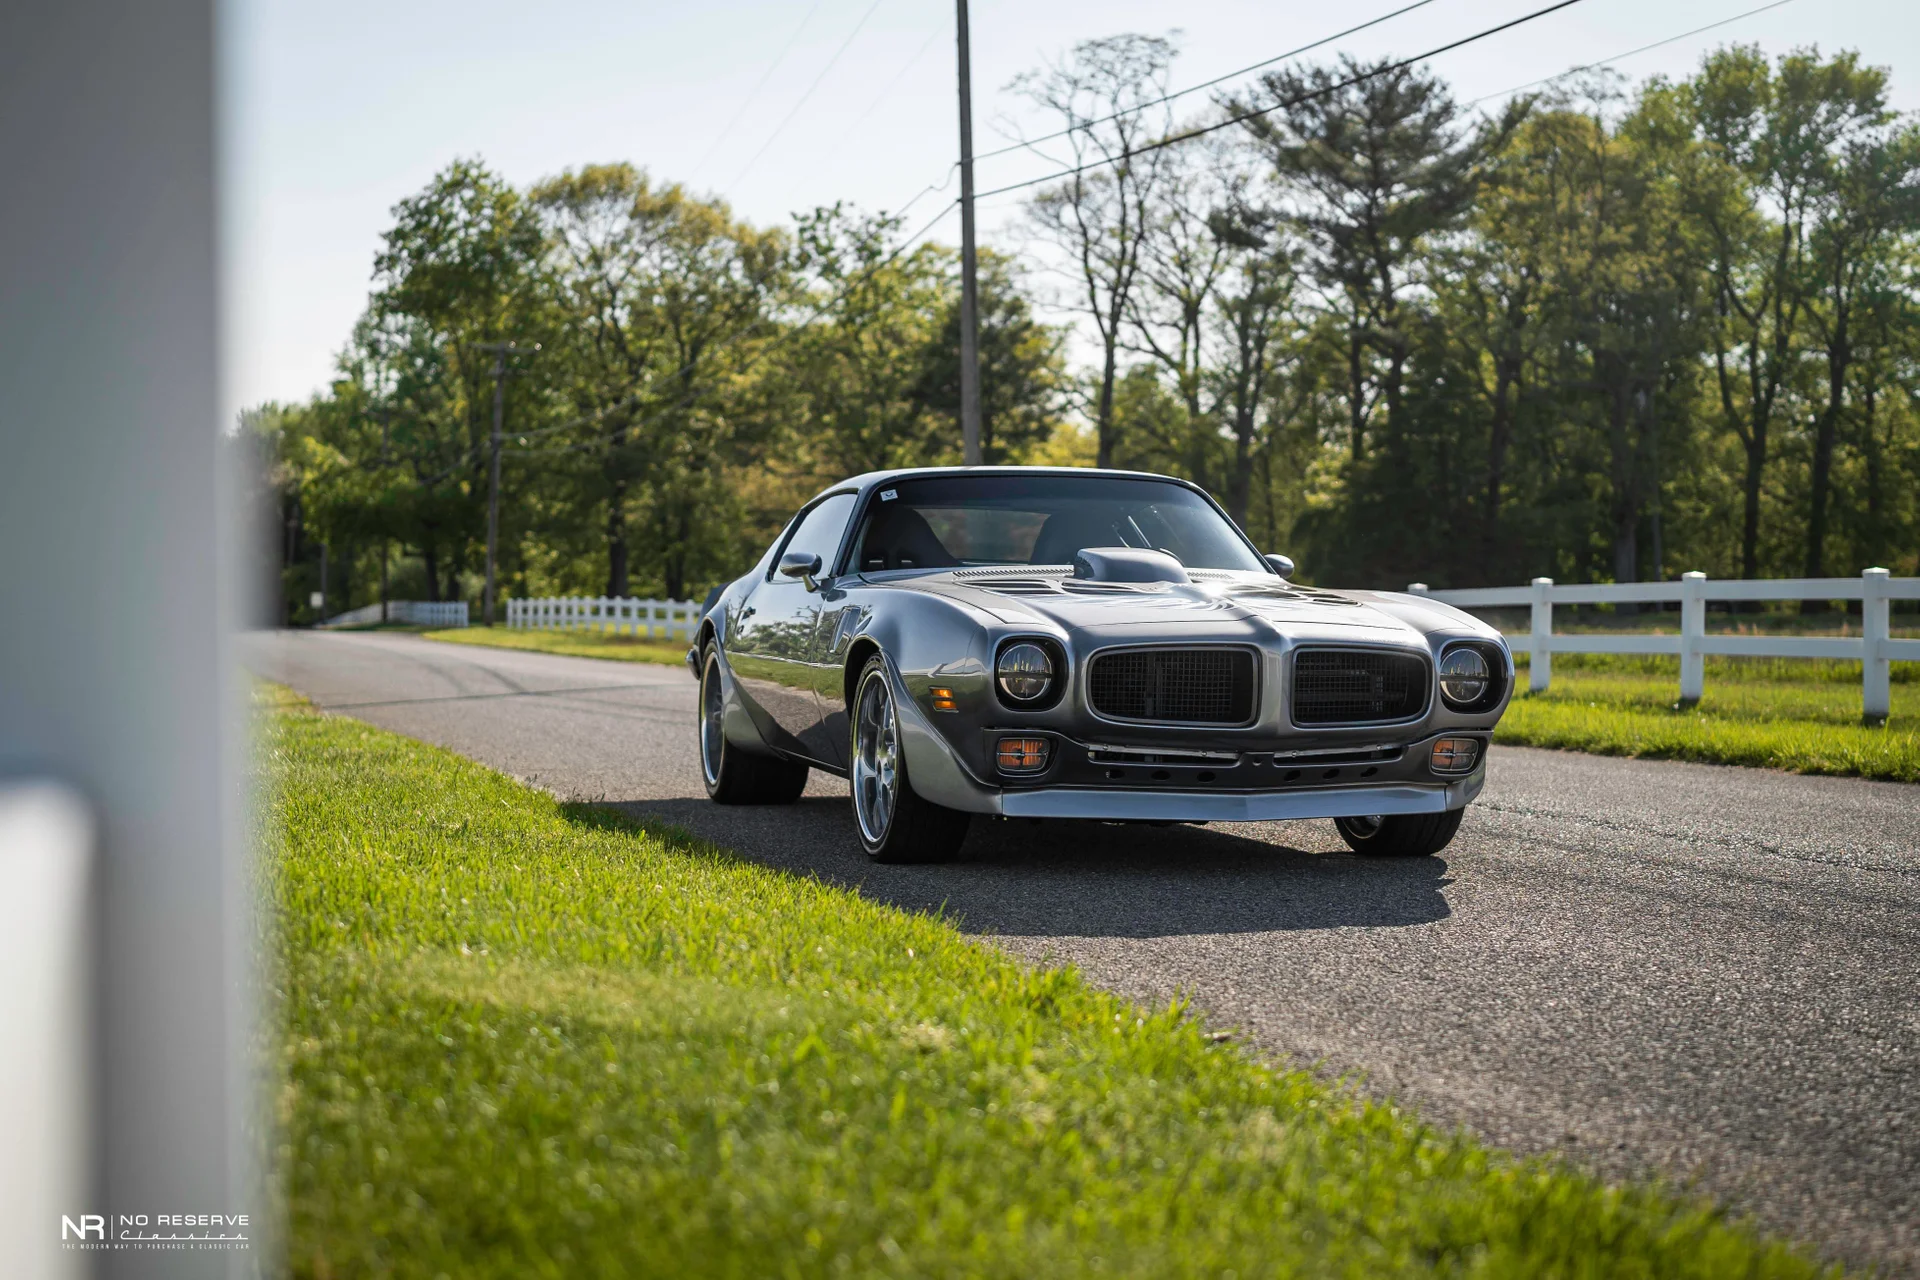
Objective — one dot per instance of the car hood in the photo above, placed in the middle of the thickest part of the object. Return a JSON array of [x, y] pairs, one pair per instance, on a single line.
[[1230, 600]]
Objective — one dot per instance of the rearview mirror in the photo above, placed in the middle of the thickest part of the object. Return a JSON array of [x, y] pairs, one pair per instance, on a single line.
[[801, 565], [1281, 565]]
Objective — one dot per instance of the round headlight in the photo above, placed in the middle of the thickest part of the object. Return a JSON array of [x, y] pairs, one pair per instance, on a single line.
[[1463, 676], [1025, 672]]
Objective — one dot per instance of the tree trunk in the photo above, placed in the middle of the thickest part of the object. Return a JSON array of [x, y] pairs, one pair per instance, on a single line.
[[674, 568], [1756, 451], [431, 559], [1625, 503], [1356, 399], [1103, 411], [1499, 435], [1838, 357], [1876, 498], [1241, 479], [617, 540]]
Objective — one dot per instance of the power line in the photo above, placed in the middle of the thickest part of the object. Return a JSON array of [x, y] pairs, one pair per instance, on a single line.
[[1628, 54], [1349, 82], [781, 127], [898, 76], [760, 84], [1027, 143]]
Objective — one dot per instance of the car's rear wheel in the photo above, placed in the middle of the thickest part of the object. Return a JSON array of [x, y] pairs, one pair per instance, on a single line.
[[1400, 835], [895, 824], [733, 776]]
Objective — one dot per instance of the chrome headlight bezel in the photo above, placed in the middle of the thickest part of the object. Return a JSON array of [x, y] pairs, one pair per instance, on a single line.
[[1028, 673], [1470, 676]]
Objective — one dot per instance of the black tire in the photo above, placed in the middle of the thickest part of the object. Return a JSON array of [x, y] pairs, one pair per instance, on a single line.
[[734, 776], [894, 824], [1403, 835]]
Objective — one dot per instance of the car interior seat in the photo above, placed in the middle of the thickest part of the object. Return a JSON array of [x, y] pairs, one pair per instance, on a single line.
[[901, 538], [1066, 532]]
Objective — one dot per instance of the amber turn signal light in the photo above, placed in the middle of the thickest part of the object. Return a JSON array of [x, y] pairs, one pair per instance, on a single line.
[[942, 699], [1022, 755], [1454, 755]]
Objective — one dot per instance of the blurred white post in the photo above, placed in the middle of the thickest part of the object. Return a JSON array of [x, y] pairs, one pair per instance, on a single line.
[[46, 854], [1540, 663], [1693, 629], [113, 507], [1876, 676]]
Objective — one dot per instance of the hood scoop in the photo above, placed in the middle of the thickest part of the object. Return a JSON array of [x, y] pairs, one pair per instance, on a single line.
[[1126, 565]]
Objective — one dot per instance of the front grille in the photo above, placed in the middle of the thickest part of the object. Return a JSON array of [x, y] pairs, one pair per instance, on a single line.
[[1189, 686], [1354, 686]]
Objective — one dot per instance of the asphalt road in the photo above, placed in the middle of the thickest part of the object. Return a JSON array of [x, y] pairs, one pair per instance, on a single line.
[[1711, 974]]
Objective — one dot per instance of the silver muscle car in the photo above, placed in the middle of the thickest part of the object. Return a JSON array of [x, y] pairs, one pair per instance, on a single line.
[[1056, 643]]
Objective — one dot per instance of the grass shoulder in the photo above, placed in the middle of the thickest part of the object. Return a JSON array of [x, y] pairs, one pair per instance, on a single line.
[[520, 1037], [573, 644], [1798, 715]]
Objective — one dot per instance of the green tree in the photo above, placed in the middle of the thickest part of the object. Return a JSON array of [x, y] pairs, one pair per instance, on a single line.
[[664, 301], [1767, 163]]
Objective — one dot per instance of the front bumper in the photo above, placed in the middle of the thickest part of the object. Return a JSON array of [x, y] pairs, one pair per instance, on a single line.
[[1257, 787], [1109, 805]]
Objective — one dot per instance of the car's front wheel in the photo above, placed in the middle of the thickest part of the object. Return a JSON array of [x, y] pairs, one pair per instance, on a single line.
[[732, 776], [895, 824], [1400, 835]]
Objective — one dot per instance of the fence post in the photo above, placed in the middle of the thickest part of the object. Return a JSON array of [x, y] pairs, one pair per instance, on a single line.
[[1693, 629], [1876, 692], [1541, 662]]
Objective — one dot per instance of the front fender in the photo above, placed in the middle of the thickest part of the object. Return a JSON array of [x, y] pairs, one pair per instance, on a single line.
[[934, 770]]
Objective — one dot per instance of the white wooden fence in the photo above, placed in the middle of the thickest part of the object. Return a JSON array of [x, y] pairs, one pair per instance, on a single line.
[[1874, 649], [615, 615], [411, 613]]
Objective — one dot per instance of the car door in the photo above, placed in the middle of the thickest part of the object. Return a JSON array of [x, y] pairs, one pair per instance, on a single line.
[[773, 646]]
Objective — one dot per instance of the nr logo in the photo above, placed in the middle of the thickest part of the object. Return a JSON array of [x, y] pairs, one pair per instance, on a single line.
[[92, 1226]]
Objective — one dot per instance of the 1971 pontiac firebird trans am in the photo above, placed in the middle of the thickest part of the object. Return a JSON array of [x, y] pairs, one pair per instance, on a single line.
[[1055, 643]]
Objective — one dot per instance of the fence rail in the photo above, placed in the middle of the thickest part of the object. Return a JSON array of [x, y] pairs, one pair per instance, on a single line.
[[411, 613], [1874, 649], [614, 615]]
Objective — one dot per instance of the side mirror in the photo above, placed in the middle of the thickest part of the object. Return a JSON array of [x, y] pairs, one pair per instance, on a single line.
[[1281, 565], [801, 565]]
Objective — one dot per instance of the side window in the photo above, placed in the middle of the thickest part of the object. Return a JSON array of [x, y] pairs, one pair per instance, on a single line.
[[819, 531]]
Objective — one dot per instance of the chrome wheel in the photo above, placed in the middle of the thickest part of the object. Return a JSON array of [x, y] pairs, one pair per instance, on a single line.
[[712, 712], [876, 759]]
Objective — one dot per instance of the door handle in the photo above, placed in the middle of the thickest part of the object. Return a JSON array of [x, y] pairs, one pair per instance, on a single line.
[[748, 612]]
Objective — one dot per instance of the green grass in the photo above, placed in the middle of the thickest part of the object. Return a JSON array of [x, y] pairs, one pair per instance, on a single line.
[[521, 1038], [1801, 715], [574, 644]]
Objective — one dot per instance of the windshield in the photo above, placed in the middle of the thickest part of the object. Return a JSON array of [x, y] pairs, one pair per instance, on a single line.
[[945, 522]]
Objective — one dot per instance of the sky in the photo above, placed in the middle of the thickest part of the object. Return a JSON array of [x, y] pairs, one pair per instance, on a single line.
[[334, 111]]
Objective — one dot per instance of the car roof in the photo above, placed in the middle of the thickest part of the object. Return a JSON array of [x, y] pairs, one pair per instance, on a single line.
[[869, 479]]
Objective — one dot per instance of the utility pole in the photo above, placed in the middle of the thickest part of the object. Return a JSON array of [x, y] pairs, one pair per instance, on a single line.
[[969, 282], [500, 352]]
